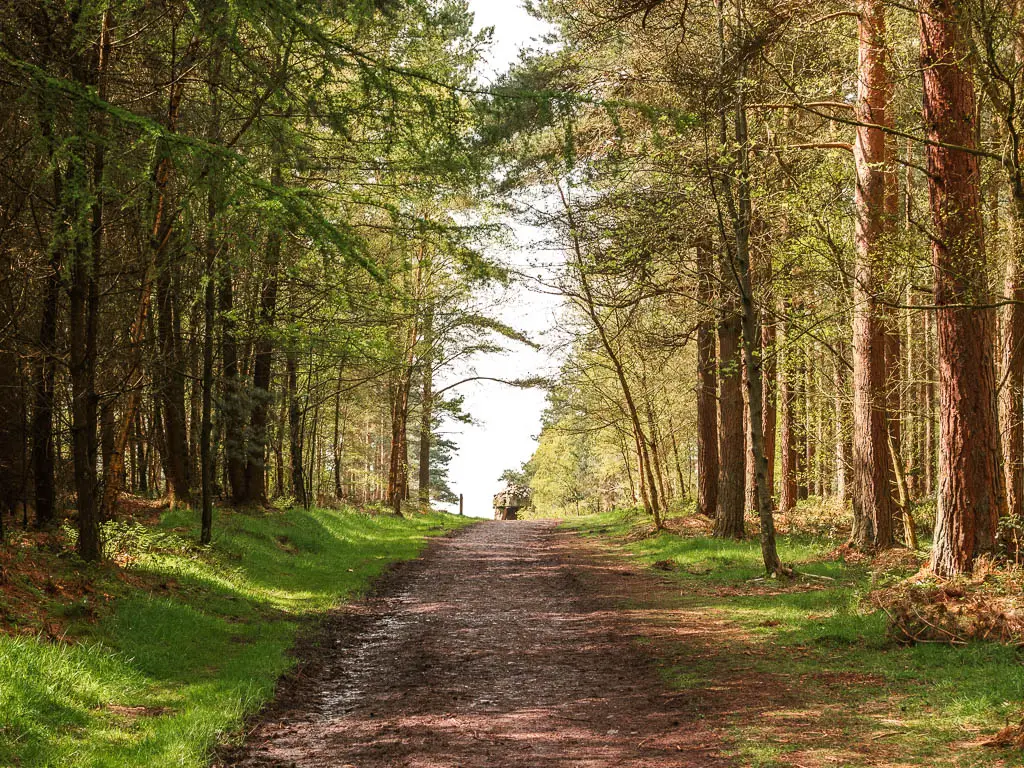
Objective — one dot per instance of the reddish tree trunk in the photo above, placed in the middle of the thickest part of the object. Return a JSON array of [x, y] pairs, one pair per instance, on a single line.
[[1011, 411], [841, 428], [749, 462], [731, 443], [788, 488], [707, 397], [263, 354], [295, 431], [232, 411], [872, 472], [171, 382], [769, 417], [44, 374], [971, 489]]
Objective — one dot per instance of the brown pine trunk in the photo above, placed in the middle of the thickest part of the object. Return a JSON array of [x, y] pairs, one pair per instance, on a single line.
[[233, 409], [654, 443], [749, 462], [339, 439], [398, 464], [841, 429], [800, 425], [928, 442], [731, 443], [751, 337], [171, 381], [707, 394], [894, 409], [872, 471], [426, 414], [679, 465], [44, 375], [295, 431], [810, 431], [768, 396], [206, 426], [788, 488], [1011, 412], [971, 482], [263, 358]]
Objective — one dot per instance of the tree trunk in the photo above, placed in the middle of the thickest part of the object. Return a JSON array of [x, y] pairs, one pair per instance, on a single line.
[[971, 482], [769, 397], [928, 457], [398, 465], [810, 431], [732, 467], [788, 488], [1011, 411], [206, 428], [707, 395], [742, 208], [749, 463], [872, 470], [426, 414], [841, 429], [263, 359], [44, 374], [339, 439], [233, 410], [295, 431], [171, 382]]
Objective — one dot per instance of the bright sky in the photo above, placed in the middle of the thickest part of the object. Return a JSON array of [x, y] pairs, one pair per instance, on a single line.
[[507, 419]]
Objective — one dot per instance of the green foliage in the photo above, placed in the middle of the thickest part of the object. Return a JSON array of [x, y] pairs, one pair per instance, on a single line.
[[172, 669]]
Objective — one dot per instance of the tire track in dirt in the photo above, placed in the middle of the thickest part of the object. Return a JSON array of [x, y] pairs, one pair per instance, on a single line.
[[503, 646]]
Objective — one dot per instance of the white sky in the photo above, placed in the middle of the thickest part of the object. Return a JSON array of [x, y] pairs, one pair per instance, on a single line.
[[507, 419]]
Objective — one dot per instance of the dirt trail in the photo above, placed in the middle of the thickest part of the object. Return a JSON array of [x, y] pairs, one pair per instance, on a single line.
[[504, 646]]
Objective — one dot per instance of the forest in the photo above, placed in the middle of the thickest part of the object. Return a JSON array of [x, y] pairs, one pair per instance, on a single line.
[[238, 246], [793, 238], [248, 264]]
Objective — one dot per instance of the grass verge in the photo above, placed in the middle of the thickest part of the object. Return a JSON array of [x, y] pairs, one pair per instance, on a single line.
[[151, 659], [826, 685]]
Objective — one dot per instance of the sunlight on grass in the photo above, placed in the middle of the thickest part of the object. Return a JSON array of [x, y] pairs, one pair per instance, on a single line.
[[161, 678], [930, 695]]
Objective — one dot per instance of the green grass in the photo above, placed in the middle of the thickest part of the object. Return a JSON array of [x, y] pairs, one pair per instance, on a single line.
[[913, 702], [200, 648]]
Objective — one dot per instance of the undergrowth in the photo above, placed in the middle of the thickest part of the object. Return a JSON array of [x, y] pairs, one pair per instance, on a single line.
[[824, 644], [152, 657]]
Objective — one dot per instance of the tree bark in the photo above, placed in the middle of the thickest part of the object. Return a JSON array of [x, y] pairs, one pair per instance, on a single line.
[[872, 471], [426, 413], [707, 393], [788, 488], [263, 358], [1011, 411], [171, 382], [971, 482], [769, 397], [233, 410], [731, 443], [339, 439], [44, 375], [841, 429], [295, 431]]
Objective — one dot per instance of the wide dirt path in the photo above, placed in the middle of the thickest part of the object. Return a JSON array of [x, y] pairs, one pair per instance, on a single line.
[[504, 646]]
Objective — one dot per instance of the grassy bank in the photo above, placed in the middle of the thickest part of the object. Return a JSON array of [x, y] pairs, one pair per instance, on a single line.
[[847, 694], [149, 660]]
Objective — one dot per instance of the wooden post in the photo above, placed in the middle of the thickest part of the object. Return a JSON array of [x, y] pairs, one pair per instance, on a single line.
[[460, 503]]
